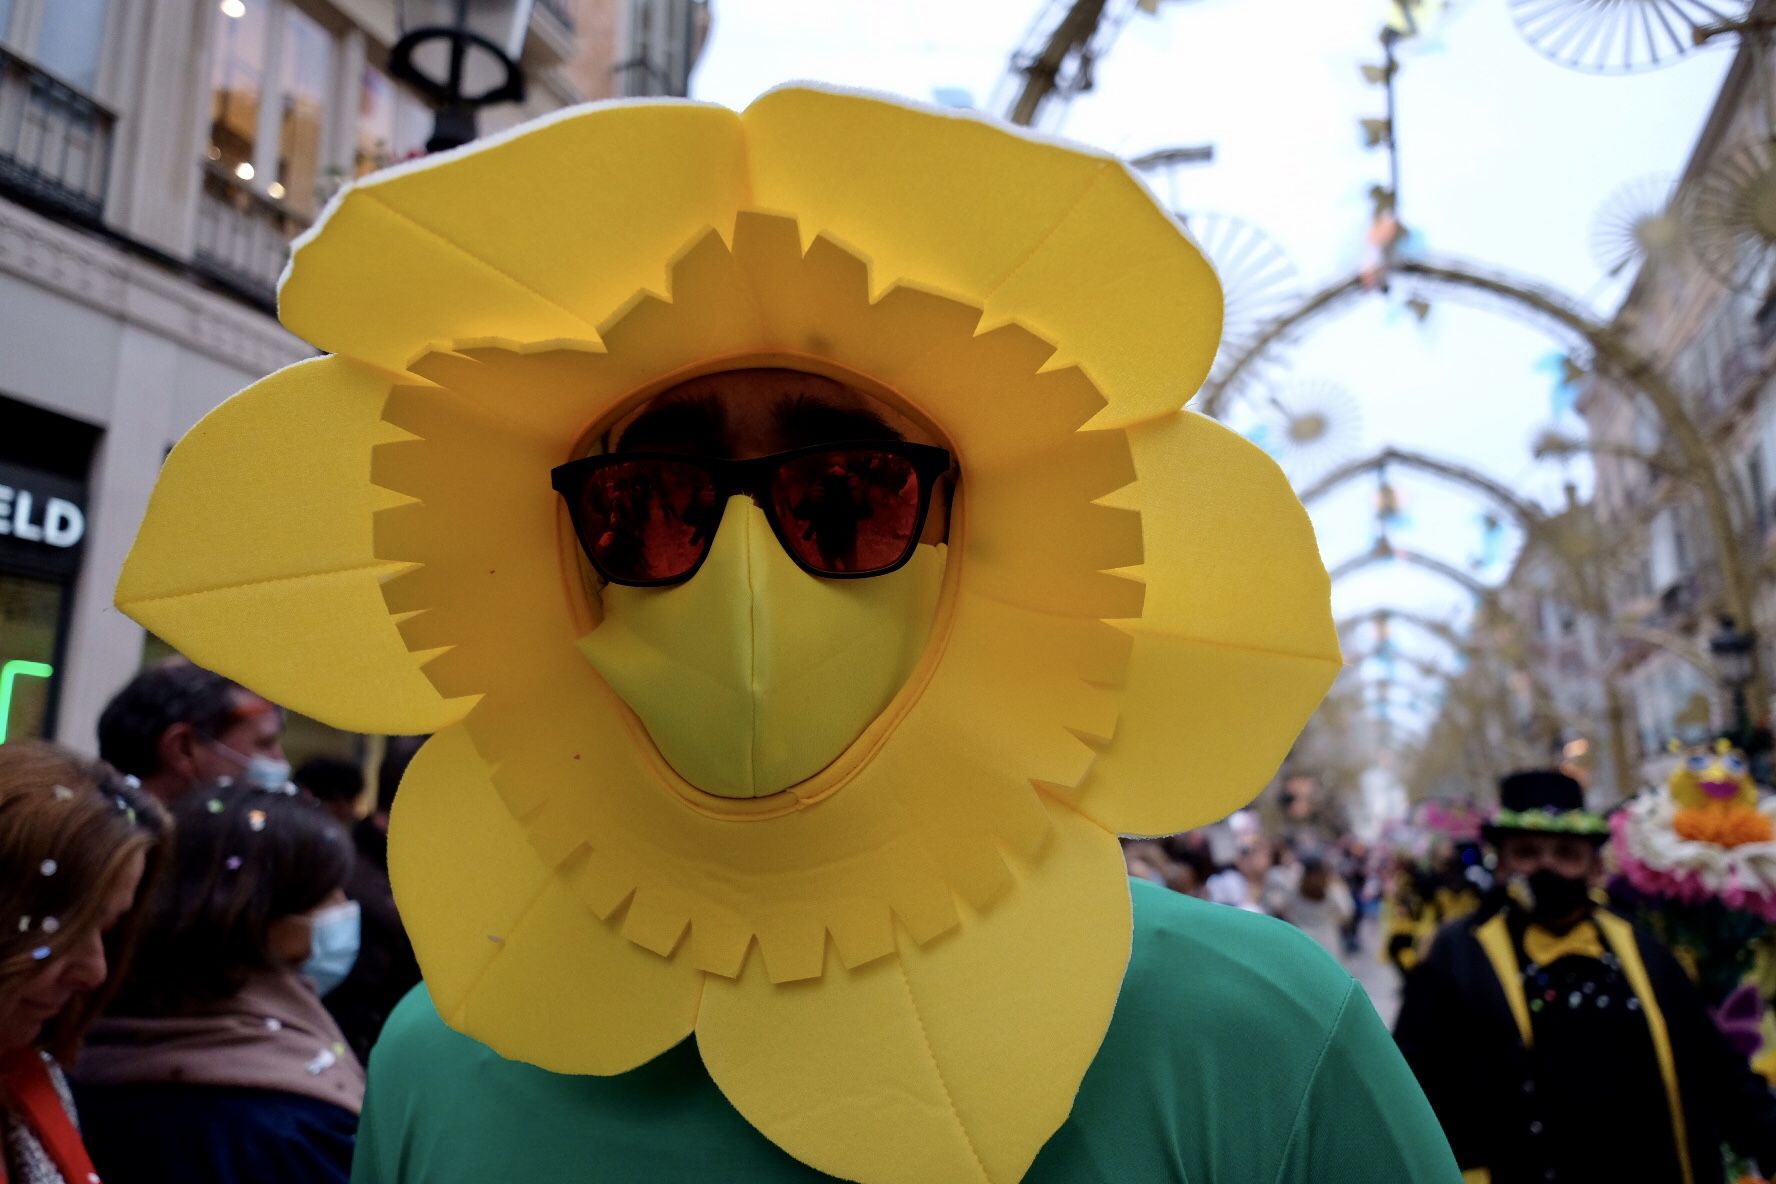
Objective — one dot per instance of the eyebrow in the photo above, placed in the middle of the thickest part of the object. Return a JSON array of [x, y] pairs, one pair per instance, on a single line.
[[804, 421], [697, 420]]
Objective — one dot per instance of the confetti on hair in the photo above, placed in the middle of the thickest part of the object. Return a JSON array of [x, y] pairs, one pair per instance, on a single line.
[[48, 867], [40, 953], [214, 805], [63, 793], [232, 863], [256, 819], [24, 924], [51, 925]]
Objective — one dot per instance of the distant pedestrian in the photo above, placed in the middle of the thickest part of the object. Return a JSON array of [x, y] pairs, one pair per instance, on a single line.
[[217, 1055], [333, 782], [176, 725], [385, 969], [1321, 906], [80, 849]]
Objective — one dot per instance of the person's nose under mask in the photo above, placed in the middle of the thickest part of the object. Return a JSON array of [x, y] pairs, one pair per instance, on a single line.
[[753, 675]]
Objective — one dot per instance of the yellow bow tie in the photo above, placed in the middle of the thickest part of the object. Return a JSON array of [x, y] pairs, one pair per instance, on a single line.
[[1544, 948]]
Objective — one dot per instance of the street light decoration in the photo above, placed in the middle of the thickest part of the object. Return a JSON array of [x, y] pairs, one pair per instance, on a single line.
[[1618, 36], [1636, 223], [1732, 651], [1259, 279], [1732, 217], [462, 55], [1319, 426]]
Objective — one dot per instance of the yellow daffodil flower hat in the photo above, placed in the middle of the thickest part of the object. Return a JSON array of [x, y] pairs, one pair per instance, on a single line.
[[899, 966]]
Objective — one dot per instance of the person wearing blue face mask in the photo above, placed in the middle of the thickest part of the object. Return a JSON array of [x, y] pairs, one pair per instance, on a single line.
[[217, 1056], [176, 725]]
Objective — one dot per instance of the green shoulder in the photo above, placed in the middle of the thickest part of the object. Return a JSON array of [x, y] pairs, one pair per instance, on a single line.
[[1209, 966]]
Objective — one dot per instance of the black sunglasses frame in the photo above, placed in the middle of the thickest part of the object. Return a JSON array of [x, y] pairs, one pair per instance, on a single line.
[[752, 477]]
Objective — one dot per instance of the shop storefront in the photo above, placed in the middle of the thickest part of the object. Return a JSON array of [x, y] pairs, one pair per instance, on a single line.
[[43, 462]]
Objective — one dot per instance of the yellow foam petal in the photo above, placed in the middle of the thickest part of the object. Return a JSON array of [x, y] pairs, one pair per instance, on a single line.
[[510, 955], [906, 1069], [255, 556], [1235, 645], [1063, 241], [526, 237]]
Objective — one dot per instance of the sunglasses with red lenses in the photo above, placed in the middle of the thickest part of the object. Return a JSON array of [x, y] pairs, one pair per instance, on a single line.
[[841, 511]]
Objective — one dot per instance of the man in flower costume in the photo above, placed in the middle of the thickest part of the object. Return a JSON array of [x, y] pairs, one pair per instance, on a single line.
[[1557, 1041], [787, 524]]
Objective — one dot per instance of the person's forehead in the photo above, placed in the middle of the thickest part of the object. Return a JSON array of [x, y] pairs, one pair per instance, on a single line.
[[755, 400], [254, 713]]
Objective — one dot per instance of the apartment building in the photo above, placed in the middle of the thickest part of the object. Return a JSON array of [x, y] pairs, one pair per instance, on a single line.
[[156, 159]]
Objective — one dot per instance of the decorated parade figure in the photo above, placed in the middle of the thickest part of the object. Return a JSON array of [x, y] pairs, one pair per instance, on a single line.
[[1438, 876], [786, 523], [1697, 866], [1558, 1041]]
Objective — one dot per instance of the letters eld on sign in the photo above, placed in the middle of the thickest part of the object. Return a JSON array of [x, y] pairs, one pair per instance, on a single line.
[[56, 521]]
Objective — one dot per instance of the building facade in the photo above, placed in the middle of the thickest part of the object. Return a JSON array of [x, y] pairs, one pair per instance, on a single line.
[[156, 159], [1717, 344]]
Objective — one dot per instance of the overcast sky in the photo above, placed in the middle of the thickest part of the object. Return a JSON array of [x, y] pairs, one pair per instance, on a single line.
[[1506, 160]]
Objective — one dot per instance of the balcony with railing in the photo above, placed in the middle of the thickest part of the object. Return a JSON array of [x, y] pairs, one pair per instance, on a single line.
[[55, 142], [243, 236]]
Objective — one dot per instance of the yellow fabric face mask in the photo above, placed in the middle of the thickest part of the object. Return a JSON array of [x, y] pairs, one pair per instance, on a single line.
[[754, 675]]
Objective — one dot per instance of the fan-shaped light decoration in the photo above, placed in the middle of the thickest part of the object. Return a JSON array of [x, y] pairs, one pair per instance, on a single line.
[[1637, 222], [1317, 426], [1617, 36], [1732, 217], [1259, 279]]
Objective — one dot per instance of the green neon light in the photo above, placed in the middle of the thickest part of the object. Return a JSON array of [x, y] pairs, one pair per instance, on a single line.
[[10, 673]]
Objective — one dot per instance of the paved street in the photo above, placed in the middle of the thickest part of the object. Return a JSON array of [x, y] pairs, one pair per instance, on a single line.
[[1379, 979]]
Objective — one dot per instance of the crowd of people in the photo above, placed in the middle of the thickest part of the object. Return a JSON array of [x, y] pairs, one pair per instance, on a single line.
[[1555, 1033], [206, 943], [1324, 888], [202, 938]]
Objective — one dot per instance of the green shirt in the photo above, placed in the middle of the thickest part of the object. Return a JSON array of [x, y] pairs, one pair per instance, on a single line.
[[1239, 1051]]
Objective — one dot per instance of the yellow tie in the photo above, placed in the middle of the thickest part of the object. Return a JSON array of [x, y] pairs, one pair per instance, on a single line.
[[1544, 948]]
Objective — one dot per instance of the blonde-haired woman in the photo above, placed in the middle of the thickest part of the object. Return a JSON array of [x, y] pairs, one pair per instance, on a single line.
[[79, 845]]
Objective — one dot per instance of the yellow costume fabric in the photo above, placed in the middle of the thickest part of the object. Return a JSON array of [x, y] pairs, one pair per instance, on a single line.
[[754, 675], [899, 968]]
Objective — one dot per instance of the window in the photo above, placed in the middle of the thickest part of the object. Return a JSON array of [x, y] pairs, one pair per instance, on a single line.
[[30, 618], [237, 84], [305, 79], [268, 53], [68, 45], [393, 124]]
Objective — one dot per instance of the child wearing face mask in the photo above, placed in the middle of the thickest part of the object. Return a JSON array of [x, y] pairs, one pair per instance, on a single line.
[[217, 1057]]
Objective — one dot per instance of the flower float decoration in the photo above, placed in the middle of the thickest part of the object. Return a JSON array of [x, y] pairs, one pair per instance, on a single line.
[[1698, 866], [1717, 799], [1690, 865], [899, 968]]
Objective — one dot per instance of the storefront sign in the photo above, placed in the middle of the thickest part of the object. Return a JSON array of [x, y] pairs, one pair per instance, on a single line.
[[33, 518], [42, 520]]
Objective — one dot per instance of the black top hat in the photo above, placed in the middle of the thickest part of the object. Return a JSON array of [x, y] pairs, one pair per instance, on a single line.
[[1543, 801]]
